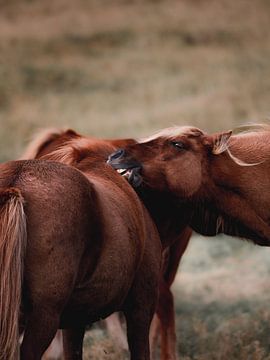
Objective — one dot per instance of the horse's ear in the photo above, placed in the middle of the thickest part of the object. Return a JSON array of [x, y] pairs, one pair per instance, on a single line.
[[71, 133], [218, 143]]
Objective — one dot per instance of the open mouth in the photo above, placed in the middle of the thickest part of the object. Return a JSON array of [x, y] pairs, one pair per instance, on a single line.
[[124, 172], [132, 174], [128, 169]]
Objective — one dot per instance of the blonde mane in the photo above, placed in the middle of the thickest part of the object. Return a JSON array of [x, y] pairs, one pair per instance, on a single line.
[[172, 132]]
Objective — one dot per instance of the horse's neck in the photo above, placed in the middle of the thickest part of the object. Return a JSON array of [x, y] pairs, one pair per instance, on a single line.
[[248, 158], [169, 216], [240, 195], [251, 147]]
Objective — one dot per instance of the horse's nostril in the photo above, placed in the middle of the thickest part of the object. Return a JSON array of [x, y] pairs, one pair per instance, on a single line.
[[117, 154]]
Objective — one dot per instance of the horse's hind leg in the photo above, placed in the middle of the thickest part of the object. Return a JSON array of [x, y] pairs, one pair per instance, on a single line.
[[165, 309], [73, 342], [138, 325], [139, 310], [40, 330]]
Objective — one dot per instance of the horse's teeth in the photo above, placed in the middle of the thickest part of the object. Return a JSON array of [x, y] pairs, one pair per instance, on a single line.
[[127, 174], [121, 171]]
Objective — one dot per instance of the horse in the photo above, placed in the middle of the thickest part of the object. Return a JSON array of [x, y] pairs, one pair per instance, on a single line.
[[222, 177], [173, 229], [74, 249]]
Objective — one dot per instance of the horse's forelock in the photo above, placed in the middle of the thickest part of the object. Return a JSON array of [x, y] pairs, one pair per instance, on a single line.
[[173, 132]]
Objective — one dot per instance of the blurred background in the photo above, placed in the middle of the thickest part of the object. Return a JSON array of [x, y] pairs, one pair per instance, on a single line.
[[124, 68]]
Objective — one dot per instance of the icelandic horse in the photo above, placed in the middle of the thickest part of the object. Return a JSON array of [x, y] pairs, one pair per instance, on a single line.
[[74, 248], [171, 221], [223, 177]]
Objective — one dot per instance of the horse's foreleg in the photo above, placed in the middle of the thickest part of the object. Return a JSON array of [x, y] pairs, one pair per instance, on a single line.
[[165, 312], [40, 330], [154, 336], [138, 325], [73, 342]]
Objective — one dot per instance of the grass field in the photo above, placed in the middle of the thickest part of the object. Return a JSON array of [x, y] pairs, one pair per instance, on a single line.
[[127, 68], [222, 304]]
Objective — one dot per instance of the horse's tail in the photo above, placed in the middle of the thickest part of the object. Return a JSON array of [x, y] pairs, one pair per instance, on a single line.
[[12, 248]]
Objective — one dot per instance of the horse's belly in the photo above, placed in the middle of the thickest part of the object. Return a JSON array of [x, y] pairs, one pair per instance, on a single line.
[[97, 299]]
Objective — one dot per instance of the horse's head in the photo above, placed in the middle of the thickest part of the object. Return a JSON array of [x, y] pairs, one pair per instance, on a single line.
[[173, 160]]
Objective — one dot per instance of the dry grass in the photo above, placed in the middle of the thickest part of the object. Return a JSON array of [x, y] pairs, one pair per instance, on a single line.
[[222, 294], [127, 68], [97, 346]]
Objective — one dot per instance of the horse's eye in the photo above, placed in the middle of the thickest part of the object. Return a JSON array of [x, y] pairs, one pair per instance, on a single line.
[[178, 144]]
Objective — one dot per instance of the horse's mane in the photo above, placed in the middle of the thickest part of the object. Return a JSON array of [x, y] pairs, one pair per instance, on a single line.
[[64, 154], [65, 146], [73, 151], [249, 142], [39, 141], [209, 221]]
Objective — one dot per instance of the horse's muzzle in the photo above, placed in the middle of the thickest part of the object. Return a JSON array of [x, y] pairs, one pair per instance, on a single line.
[[117, 155], [128, 168]]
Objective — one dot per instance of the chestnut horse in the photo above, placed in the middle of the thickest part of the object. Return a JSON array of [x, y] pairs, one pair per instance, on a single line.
[[224, 178], [78, 248], [172, 227]]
